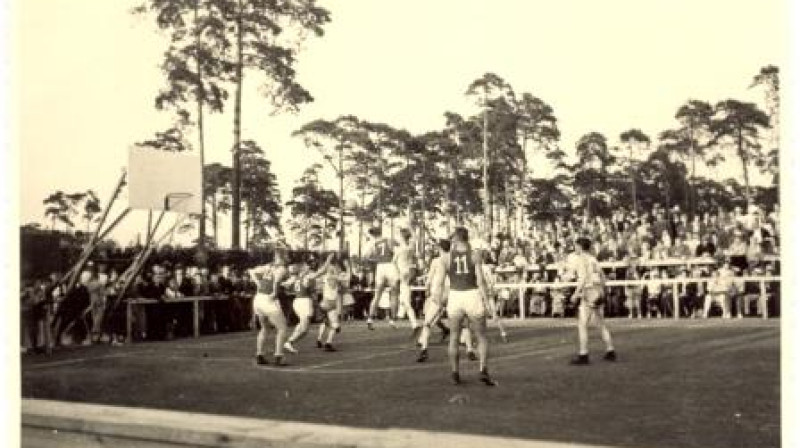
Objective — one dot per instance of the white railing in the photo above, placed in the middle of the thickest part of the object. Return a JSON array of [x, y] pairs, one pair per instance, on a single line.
[[675, 282], [667, 262]]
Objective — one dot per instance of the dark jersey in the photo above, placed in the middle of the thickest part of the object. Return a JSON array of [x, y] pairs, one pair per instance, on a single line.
[[303, 287], [462, 272], [265, 280], [383, 251]]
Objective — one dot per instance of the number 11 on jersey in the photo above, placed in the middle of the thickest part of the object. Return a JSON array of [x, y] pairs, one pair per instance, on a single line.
[[461, 265]]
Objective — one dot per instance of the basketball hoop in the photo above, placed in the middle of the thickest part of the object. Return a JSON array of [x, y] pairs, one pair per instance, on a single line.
[[173, 199]]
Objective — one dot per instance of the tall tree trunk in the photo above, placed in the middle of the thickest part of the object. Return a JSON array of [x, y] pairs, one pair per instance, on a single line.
[[307, 225], [361, 222], [214, 217], [520, 193], [421, 239], [237, 130], [380, 189], [200, 131], [507, 207], [745, 171], [341, 199], [633, 181], [487, 207], [690, 193], [246, 226]]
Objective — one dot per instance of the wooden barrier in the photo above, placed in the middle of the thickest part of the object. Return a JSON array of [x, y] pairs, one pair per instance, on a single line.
[[195, 301]]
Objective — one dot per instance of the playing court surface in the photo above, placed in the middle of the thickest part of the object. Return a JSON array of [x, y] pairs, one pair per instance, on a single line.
[[682, 383]]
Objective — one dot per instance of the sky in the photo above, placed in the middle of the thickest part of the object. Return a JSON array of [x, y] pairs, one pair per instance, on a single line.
[[87, 73]]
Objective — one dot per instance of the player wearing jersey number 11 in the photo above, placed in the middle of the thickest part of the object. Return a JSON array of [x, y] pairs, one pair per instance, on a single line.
[[466, 301]]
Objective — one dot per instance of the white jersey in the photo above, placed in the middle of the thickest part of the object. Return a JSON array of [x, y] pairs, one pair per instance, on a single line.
[[587, 270]]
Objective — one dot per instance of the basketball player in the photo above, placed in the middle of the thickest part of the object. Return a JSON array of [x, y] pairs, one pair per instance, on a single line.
[[303, 286], [404, 258], [466, 300], [437, 290], [267, 308], [590, 289], [331, 304], [386, 275]]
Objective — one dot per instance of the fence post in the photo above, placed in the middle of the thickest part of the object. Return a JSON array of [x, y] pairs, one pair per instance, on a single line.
[[129, 320], [522, 302], [676, 303]]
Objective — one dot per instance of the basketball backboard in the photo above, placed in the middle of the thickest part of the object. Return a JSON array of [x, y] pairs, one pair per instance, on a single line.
[[162, 180]]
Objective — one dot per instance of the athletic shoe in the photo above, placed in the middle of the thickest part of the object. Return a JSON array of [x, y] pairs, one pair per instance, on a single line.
[[486, 379], [455, 378], [580, 360], [329, 348], [370, 325], [289, 348], [261, 360], [279, 361], [610, 355], [392, 323], [472, 356], [319, 343], [423, 356]]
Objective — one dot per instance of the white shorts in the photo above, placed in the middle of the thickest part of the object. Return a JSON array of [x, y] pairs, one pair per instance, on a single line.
[[302, 307], [263, 305], [386, 274], [467, 302], [348, 299], [329, 308]]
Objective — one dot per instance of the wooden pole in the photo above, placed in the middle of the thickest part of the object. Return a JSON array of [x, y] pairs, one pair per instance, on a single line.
[[72, 276]]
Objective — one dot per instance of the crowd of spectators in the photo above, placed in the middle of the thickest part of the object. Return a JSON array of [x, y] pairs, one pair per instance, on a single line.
[[738, 242], [649, 246]]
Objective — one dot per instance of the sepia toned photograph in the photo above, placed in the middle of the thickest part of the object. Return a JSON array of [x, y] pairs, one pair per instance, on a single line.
[[385, 223]]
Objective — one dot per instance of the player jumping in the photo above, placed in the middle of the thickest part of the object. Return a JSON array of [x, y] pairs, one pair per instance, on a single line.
[[386, 275]]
